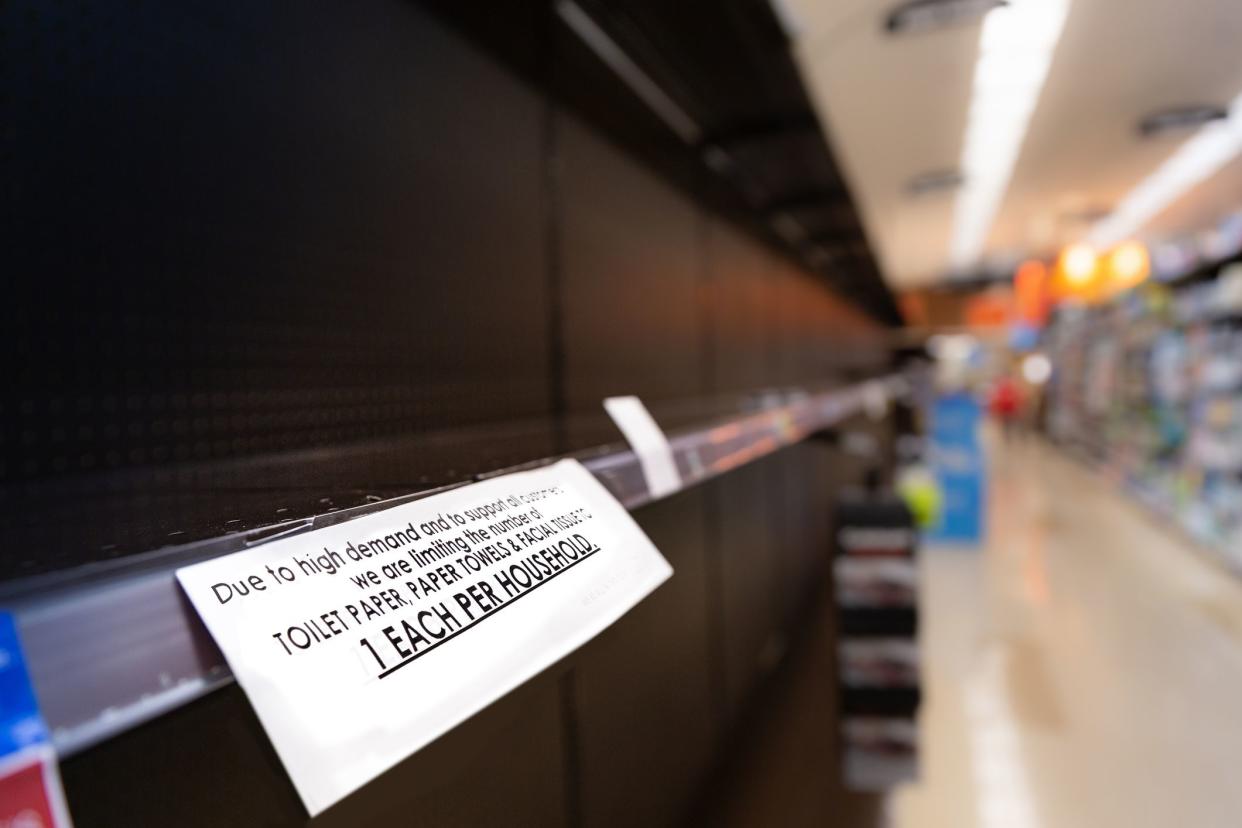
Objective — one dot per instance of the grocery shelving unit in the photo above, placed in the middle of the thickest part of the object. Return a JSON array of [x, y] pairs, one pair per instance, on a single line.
[[1148, 388], [277, 266], [114, 645]]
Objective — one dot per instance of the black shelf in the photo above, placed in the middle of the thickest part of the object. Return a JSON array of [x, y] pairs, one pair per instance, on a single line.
[[147, 652]]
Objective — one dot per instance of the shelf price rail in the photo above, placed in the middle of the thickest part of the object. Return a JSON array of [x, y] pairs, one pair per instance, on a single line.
[[118, 645]]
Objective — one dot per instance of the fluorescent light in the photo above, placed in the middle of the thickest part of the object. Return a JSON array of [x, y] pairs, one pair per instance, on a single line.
[[640, 83], [1015, 50], [1211, 148], [934, 182]]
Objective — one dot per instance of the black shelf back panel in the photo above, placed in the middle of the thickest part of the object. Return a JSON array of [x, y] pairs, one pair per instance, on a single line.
[[271, 259]]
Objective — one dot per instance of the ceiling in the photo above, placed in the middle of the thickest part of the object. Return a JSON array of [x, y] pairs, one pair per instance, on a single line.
[[895, 107]]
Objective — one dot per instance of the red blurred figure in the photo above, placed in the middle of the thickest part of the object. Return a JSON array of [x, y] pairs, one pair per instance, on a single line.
[[1006, 403]]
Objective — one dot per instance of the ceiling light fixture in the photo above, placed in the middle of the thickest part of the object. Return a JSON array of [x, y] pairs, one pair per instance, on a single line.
[[928, 15], [1089, 214], [1015, 51], [1211, 148], [640, 83], [937, 181], [1178, 119]]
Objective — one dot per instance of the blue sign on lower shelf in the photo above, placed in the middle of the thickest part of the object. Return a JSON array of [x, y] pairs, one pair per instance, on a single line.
[[957, 462], [30, 792]]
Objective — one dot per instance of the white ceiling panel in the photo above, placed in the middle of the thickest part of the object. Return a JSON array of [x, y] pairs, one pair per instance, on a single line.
[[893, 109], [1118, 60], [896, 107]]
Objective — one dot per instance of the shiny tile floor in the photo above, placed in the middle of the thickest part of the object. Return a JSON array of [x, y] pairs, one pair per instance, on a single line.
[[1083, 669]]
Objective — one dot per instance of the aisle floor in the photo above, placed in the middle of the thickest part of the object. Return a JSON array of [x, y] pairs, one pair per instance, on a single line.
[[1083, 669]]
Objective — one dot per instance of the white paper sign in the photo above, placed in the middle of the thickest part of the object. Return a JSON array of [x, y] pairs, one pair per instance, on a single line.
[[647, 440], [360, 643]]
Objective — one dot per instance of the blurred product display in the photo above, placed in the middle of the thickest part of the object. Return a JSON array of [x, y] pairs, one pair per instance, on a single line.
[[875, 572], [959, 467], [1149, 385]]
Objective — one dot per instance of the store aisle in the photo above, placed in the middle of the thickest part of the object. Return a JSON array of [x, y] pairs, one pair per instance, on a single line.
[[1083, 670]]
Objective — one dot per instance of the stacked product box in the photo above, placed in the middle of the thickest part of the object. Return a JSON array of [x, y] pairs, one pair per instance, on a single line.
[[876, 583]]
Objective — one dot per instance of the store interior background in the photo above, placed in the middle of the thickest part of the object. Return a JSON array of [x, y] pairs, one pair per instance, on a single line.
[[268, 261]]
